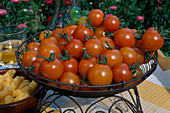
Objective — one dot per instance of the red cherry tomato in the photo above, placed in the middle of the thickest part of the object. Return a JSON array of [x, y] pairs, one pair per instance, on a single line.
[[75, 48], [94, 46], [51, 70], [48, 48], [109, 41], [100, 74], [69, 78], [124, 38], [114, 57], [85, 64], [33, 46], [81, 31], [96, 15], [152, 40], [55, 33], [70, 65], [28, 57], [141, 54], [111, 23], [62, 42], [121, 72], [100, 32], [151, 28], [69, 30], [36, 63], [41, 36], [49, 40], [130, 56]]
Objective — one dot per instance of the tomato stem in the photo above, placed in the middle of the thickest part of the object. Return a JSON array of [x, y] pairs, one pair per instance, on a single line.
[[108, 46], [47, 34], [50, 58], [88, 37], [101, 60], [86, 55], [66, 57], [30, 68], [147, 55]]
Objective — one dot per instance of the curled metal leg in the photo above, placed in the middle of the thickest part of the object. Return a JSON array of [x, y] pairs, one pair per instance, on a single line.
[[113, 104]]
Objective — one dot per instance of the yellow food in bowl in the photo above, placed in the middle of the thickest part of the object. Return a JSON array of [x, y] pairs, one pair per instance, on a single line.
[[13, 89]]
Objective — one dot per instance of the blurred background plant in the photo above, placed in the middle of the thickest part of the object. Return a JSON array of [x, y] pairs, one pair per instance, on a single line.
[[134, 14], [35, 14]]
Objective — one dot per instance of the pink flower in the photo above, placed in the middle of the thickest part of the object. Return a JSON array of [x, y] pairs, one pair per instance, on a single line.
[[22, 25], [25, 0], [107, 15], [42, 5], [49, 1], [39, 10], [16, 1], [141, 18], [113, 7], [159, 8], [3, 12]]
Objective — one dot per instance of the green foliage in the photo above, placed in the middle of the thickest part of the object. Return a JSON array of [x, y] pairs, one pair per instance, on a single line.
[[33, 13]]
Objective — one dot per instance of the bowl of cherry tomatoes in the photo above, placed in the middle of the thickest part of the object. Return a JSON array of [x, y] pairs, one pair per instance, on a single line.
[[92, 58]]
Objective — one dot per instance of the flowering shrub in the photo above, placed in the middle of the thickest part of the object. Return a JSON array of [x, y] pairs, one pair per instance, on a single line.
[[33, 14]]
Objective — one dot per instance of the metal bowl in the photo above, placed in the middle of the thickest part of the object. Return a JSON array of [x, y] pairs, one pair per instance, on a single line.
[[147, 68]]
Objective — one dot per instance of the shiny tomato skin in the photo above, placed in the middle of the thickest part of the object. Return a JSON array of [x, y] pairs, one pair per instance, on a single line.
[[150, 28], [48, 48], [100, 74], [75, 48], [85, 65], [51, 70], [70, 65], [69, 78], [33, 46], [28, 57], [121, 72], [124, 38], [81, 31], [96, 15], [69, 30], [100, 32], [94, 46], [36, 63], [109, 41], [111, 23], [49, 40], [130, 56], [114, 57], [55, 33], [152, 40], [141, 54]]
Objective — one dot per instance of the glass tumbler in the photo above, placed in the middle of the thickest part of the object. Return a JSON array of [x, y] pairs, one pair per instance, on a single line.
[[11, 36]]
